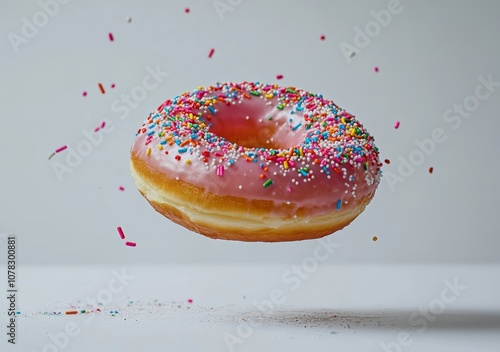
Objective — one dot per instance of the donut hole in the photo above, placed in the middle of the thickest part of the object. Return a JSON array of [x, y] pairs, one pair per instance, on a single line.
[[255, 126]]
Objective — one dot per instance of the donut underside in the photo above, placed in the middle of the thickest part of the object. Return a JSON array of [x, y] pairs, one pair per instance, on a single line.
[[232, 218]]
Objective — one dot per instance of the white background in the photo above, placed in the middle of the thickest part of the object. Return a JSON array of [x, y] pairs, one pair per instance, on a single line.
[[430, 57]]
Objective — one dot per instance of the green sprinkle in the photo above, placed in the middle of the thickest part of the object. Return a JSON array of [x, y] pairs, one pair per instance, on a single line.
[[270, 118], [255, 93], [268, 183], [280, 107]]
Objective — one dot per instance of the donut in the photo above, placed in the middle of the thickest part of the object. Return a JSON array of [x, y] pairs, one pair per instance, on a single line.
[[255, 162]]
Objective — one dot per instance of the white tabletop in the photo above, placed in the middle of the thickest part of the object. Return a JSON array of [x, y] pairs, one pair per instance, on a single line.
[[257, 308]]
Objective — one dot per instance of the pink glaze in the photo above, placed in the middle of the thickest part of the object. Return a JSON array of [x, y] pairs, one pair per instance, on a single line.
[[247, 123]]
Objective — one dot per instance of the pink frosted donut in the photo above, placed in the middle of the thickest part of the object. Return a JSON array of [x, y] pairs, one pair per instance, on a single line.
[[255, 162]]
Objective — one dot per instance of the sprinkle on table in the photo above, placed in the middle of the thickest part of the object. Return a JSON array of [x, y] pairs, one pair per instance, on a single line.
[[187, 10], [101, 88], [121, 188], [71, 312], [58, 150], [84, 94], [431, 170], [322, 37], [387, 161], [190, 300], [279, 77], [111, 38], [131, 244], [375, 69], [375, 238], [113, 85], [120, 232], [211, 53], [396, 125]]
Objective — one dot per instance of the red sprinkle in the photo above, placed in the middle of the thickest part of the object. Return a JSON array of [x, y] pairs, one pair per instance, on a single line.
[[396, 125], [101, 88], [187, 10], [190, 300], [113, 85], [121, 188], [103, 124], [130, 244], [97, 129], [84, 94], [376, 69], [387, 161], [279, 77], [431, 169], [322, 37], [120, 232], [111, 37], [211, 53]]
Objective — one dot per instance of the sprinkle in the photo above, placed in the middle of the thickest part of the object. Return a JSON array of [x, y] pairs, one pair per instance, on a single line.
[[113, 85], [131, 244], [376, 69], [60, 149], [128, 19], [322, 37], [190, 300], [148, 151], [211, 53], [84, 94], [188, 162], [111, 38], [182, 150], [396, 125], [268, 183], [101, 88], [97, 129], [375, 238], [339, 204], [294, 128], [120, 232], [279, 77], [431, 170], [211, 109], [51, 155], [121, 188], [186, 10], [351, 55], [220, 170], [387, 161], [71, 312]]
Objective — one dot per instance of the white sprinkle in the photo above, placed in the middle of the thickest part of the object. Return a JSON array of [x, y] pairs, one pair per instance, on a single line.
[[240, 187]]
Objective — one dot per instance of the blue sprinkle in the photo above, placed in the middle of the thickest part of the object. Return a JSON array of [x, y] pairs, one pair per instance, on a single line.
[[163, 141], [182, 150], [151, 132], [339, 203], [296, 126], [178, 142], [211, 109]]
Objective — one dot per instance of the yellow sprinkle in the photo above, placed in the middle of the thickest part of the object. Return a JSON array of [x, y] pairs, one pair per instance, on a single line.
[[160, 147], [200, 88], [343, 120], [285, 164], [188, 161], [301, 151], [148, 151], [269, 96]]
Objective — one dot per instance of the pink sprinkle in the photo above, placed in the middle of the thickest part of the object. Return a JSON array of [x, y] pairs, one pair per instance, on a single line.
[[376, 69], [322, 37], [130, 244], [211, 53], [60, 149], [121, 188], [396, 125], [190, 300], [187, 10], [84, 94], [103, 124], [120, 232], [279, 77], [111, 37], [220, 170], [96, 129], [113, 85], [289, 189]]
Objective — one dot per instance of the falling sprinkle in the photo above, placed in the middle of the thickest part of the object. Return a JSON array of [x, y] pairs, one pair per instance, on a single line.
[[130, 244], [71, 312], [351, 55], [322, 37], [97, 129], [113, 85], [120, 232], [431, 170], [375, 238], [102, 124], [84, 94], [111, 38], [190, 300], [376, 69], [387, 161], [396, 125], [58, 150], [186, 10], [101, 88], [211, 53], [279, 77], [121, 188]]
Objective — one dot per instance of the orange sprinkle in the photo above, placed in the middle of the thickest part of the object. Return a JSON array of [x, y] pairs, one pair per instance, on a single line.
[[431, 169], [101, 88], [262, 176], [70, 312], [374, 238], [185, 142]]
